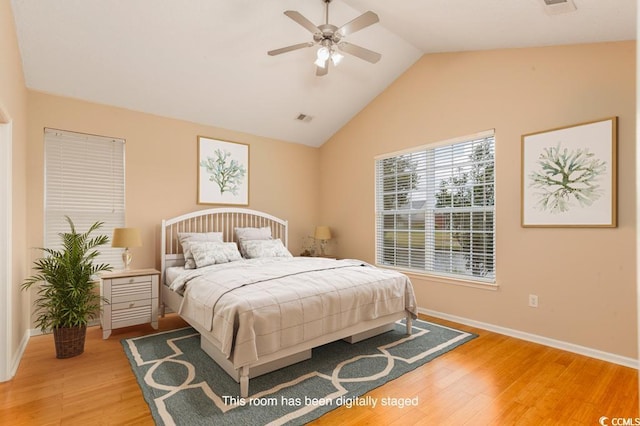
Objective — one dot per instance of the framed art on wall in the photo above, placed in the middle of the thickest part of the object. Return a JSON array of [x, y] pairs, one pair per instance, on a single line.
[[223, 172], [569, 176]]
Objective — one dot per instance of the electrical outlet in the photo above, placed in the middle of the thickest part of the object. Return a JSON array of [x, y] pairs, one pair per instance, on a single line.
[[533, 300]]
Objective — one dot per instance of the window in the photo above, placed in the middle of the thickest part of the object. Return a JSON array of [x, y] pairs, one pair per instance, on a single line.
[[435, 209], [84, 179]]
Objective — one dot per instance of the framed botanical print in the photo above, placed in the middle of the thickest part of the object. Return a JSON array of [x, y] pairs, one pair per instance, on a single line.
[[223, 172], [569, 176]]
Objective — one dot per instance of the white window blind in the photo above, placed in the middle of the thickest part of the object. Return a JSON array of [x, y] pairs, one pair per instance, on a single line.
[[84, 179], [435, 209]]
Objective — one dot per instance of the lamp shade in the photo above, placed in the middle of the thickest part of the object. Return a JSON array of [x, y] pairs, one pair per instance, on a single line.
[[126, 237], [322, 233]]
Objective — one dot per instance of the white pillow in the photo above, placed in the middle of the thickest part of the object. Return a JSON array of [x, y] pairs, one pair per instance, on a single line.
[[244, 234], [255, 249], [253, 233], [207, 253], [186, 238]]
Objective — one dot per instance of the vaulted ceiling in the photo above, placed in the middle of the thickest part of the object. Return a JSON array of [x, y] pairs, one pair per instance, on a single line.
[[205, 60]]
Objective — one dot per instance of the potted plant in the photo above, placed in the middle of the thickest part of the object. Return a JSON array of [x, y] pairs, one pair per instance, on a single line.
[[67, 298]]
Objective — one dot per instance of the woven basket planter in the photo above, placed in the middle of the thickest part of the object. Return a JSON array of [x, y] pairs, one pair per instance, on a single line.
[[69, 341]]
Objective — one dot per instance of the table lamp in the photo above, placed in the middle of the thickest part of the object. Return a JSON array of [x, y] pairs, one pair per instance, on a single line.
[[323, 233], [126, 237]]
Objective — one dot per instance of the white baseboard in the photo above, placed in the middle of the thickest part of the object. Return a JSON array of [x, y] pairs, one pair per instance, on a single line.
[[38, 332], [17, 357], [558, 344]]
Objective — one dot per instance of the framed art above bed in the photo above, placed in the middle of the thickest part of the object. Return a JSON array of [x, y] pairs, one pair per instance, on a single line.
[[223, 172]]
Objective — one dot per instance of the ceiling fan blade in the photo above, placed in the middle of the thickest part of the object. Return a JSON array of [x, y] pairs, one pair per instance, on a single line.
[[290, 48], [360, 52], [362, 21], [296, 16], [320, 71]]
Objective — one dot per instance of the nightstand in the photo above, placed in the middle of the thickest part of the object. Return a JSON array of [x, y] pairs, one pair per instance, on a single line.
[[132, 296]]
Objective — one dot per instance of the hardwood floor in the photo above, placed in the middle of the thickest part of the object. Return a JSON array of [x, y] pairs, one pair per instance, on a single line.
[[492, 380]]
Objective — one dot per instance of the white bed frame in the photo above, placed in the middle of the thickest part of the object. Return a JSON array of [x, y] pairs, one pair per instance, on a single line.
[[225, 220]]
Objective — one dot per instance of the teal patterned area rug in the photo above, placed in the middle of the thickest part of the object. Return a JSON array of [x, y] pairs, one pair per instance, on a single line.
[[183, 386]]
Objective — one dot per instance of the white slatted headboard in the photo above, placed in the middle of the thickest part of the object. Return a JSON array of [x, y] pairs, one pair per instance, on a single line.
[[223, 220]]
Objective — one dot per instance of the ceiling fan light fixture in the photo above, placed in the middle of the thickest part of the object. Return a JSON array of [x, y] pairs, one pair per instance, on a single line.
[[323, 53], [336, 58], [320, 63], [322, 56]]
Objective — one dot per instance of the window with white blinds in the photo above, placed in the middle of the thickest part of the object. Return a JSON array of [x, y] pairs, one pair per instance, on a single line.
[[84, 179], [435, 209]]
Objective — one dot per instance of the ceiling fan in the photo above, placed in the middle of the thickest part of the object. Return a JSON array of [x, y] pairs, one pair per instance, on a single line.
[[329, 38]]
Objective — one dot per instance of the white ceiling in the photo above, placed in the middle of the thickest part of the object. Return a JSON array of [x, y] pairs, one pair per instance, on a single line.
[[205, 60]]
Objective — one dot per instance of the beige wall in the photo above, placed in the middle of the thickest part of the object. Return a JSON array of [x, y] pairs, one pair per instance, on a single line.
[[161, 169], [585, 278], [13, 104]]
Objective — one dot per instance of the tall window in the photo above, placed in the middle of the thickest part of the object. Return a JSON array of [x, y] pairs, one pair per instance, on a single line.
[[84, 179], [435, 209]]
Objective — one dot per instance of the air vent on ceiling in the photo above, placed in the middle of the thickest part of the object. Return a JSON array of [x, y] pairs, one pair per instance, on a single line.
[[554, 7], [304, 118]]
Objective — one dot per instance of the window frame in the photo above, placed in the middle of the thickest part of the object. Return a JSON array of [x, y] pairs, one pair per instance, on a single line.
[[424, 157]]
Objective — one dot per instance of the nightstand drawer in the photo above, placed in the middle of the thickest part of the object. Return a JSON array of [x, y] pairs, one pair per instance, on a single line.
[[130, 304], [125, 292], [131, 280], [131, 316]]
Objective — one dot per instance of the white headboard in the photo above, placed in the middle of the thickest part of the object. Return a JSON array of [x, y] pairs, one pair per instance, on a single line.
[[223, 220]]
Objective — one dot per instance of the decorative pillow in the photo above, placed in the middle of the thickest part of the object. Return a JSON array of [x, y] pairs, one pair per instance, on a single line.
[[255, 249], [244, 234], [253, 233], [207, 253], [186, 238]]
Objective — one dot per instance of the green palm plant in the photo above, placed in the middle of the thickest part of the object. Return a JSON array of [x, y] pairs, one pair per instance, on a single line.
[[67, 296]]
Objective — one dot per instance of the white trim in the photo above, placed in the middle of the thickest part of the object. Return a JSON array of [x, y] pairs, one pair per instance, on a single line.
[[558, 344], [38, 332], [637, 171], [6, 276], [18, 355], [81, 136], [472, 137], [444, 279]]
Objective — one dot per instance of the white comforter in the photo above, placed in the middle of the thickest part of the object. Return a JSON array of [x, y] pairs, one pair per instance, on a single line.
[[257, 307]]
